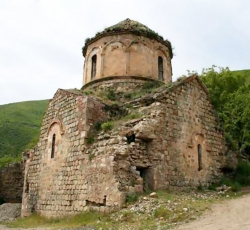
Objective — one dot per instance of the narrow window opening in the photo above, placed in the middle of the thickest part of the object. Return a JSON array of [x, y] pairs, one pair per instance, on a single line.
[[104, 201], [160, 68], [27, 187], [53, 146], [93, 67], [199, 158]]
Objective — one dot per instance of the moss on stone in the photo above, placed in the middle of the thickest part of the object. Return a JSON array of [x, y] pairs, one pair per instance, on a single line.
[[129, 26]]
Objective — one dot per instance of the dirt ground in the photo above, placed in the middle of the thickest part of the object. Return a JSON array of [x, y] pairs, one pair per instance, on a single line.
[[228, 215]]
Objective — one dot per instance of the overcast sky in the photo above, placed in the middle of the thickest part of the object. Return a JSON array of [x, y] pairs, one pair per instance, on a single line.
[[41, 40]]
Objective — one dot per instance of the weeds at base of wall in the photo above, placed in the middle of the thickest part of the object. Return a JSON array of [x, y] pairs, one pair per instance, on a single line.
[[132, 198], [239, 179], [161, 212]]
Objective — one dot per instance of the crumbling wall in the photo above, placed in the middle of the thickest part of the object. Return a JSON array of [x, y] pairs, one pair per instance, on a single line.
[[71, 180], [96, 170], [180, 119], [11, 183]]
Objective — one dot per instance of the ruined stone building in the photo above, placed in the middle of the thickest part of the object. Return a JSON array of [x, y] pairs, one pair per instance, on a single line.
[[128, 129]]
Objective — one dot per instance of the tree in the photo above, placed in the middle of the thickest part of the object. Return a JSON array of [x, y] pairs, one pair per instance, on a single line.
[[230, 96]]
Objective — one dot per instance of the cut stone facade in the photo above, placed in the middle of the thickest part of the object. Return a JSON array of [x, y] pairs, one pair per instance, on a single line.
[[125, 54], [99, 175], [93, 151]]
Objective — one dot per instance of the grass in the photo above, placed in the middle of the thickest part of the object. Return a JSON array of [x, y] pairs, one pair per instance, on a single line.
[[162, 212], [141, 212], [148, 87], [8, 160], [84, 219], [236, 181], [19, 127], [106, 126], [132, 198]]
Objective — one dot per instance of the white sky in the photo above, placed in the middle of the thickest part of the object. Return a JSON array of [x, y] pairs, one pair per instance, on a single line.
[[41, 40]]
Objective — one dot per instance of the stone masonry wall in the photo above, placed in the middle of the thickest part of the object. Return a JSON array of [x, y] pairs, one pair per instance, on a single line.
[[158, 150], [125, 55], [177, 122], [164, 153], [11, 183], [71, 181]]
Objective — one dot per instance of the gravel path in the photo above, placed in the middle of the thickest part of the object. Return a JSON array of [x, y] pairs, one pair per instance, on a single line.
[[229, 215]]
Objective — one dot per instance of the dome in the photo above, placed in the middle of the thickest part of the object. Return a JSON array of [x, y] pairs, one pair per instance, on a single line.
[[128, 26], [124, 51]]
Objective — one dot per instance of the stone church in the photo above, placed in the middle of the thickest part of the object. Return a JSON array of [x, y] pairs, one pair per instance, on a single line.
[[129, 129]]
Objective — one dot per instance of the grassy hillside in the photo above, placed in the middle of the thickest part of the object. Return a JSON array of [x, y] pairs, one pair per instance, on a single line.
[[20, 125], [245, 72]]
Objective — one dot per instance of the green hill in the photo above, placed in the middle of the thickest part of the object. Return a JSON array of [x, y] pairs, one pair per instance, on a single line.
[[20, 126], [245, 72], [20, 122]]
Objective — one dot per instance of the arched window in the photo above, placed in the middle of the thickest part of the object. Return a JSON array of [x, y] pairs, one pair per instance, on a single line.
[[160, 68], [53, 146], [93, 67], [199, 158]]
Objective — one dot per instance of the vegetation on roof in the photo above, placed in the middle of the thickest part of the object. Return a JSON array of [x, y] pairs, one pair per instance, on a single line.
[[132, 27], [229, 91]]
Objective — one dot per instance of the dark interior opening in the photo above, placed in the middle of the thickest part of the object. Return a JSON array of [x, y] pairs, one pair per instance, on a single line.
[[53, 146], [1, 201], [27, 188], [160, 68], [199, 157], [93, 67], [144, 174], [130, 138], [104, 201]]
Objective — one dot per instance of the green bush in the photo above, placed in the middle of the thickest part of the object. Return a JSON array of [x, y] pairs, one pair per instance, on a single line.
[[107, 125], [151, 85], [240, 178], [132, 198], [98, 126], [162, 212], [90, 140], [111, 95], [226, 181], [236, 187], [4, 161], [242, 174], [128, 95]]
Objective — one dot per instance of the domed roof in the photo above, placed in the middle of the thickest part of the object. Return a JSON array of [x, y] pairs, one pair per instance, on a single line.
[[128, 26]]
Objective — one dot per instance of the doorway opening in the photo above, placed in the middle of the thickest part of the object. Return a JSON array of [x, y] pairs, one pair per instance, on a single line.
[[145, 175]]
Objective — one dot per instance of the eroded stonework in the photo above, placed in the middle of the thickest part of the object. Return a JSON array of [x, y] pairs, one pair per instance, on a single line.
[[129, 129], [11, 183], [127, 49], [157, 150]]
